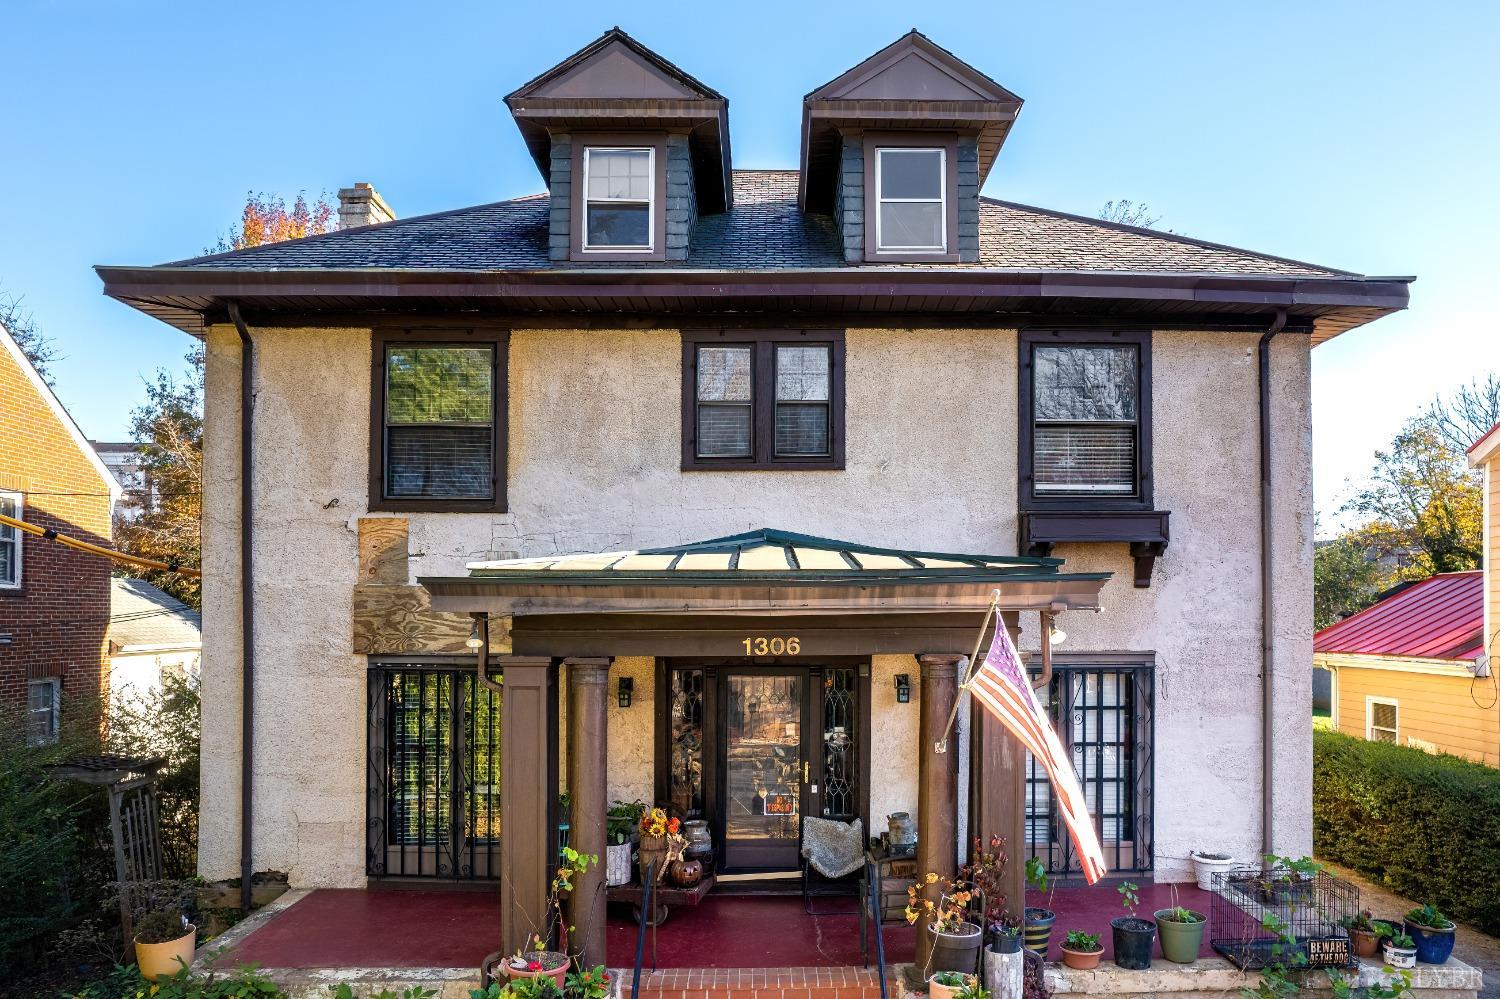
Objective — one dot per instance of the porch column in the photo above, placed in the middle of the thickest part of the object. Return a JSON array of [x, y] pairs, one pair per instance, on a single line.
[[528, 796], [588, 693], [937, 779], [997, 798]]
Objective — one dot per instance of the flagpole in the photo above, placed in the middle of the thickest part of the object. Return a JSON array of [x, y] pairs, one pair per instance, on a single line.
[[966, 669]]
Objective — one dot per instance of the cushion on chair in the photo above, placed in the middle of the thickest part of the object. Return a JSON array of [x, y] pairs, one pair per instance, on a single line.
[[833, 849]]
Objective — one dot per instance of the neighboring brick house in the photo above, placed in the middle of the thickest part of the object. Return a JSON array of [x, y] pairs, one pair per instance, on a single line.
[[54, 602]]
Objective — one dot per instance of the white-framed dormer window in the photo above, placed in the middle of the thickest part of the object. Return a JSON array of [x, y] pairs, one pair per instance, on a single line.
[[10, 542], [911, 210], [43, 706], [1382, 720], [619, 198]]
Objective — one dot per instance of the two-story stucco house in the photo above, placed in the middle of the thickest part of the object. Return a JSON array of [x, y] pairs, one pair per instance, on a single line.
[[725, 465]]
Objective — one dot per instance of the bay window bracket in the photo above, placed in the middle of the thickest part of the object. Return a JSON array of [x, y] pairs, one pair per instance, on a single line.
[[1145, 531]]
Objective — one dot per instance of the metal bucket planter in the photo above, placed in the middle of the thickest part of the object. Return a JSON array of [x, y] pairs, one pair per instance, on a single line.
[[1180, 941], [1434, 944], [1039, 929], [1133, 937], [956, 951], [1400, 957]]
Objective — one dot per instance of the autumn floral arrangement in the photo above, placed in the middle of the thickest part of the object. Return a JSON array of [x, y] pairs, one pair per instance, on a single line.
[[654, 822], [661, 841]]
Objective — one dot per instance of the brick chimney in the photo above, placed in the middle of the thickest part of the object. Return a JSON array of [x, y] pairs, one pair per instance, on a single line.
[[362, 205]]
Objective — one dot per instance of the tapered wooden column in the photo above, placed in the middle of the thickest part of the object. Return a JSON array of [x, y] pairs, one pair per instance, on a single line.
[[997, 789], [588, 709], [528, 796], [937, 780]]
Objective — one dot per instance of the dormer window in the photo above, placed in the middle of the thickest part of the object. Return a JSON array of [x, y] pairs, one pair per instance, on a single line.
[[910, 214], [618, 198]]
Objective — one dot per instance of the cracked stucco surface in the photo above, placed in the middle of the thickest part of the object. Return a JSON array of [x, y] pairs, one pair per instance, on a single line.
[[595, 465]]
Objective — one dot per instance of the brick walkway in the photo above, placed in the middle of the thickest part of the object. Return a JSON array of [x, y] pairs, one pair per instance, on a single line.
[[755, 983]]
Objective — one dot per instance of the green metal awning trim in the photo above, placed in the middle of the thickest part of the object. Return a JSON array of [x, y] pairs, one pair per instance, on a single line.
[[847, 577]]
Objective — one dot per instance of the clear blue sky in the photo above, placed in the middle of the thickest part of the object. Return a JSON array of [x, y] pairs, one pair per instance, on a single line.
[[1354, 134]]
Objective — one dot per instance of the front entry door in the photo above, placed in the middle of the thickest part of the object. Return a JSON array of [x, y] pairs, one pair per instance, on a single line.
[[766, 767]]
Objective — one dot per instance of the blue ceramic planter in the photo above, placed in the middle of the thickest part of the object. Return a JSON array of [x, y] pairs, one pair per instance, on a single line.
[[1433, 946]]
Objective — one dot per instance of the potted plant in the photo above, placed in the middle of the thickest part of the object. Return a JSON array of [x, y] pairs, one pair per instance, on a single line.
[[590, 984], [955, 940], [1286, 881], [985, 872], [1206, 865], [621, 825], [1132, 934], [1181, 932], [1364, 933], [947, 984], [1082, 950], [1400, 951], [972, 990], [1005, 935], [164, 942], [535, 960], [1432, 932], [1039, 920]]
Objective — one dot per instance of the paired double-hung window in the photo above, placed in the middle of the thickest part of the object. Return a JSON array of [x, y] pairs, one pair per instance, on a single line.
[[763, 399]]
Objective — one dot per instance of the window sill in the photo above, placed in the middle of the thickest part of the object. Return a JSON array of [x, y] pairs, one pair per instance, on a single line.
[[1146, 531], [775, 465], [437, 506]]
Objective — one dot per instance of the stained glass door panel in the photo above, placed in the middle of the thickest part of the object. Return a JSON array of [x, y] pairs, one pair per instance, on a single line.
[[764, 770]]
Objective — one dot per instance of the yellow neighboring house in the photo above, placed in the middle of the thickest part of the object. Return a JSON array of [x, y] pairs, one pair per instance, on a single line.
[[1484, 454]]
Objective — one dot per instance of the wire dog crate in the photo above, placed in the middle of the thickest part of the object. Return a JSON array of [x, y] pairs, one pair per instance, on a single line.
[[1270, 915]]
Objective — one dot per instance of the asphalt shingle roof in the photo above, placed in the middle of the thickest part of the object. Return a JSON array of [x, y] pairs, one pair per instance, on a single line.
[[764, 231], [141, 614]]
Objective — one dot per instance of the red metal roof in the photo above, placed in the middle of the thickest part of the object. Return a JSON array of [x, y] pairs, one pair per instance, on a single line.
[[1442, 617]]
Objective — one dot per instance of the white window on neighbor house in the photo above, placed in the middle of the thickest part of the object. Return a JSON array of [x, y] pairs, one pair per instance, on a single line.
[[43, 705], [1382, 721], [10, 542], [911, 212], [618, 198]]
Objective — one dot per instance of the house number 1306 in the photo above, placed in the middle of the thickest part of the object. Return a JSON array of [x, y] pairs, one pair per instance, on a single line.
[[778, 646]]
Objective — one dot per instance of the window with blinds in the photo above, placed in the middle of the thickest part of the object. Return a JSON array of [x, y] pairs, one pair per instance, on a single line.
[[439, 421], [803, 381], [1086, 419], [1381, 721]]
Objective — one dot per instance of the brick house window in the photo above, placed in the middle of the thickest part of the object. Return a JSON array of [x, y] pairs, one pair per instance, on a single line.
[[763, 399], [10, 542], [437, 435], [43, 705]]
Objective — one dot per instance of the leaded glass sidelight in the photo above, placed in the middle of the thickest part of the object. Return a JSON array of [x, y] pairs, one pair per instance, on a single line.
[[1086, 411], [841, 737], [685, 778]]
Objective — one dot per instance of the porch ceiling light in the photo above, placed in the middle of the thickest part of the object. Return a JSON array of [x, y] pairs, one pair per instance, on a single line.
[[625, 691], [903, 688]]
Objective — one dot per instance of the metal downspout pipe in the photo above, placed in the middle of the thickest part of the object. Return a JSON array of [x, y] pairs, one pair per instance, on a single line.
[[247, 611], [1267, 620]]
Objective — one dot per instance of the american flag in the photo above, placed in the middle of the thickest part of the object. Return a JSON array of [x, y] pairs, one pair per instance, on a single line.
[[1004, 689]]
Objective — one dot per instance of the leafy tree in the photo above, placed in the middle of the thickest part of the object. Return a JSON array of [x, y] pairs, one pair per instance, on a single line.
[[1423, 498], [169, 427], [19, 321], [266, 219], [1127, 212], [1347, 577]]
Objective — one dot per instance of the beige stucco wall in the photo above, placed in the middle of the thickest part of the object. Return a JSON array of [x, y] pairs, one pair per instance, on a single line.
[[594, 465]]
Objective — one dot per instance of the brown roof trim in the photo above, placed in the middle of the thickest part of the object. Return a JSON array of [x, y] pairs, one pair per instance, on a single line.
[[612, 35]]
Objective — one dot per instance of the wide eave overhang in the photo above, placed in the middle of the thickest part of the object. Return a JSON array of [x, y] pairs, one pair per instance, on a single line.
[[190, 298]]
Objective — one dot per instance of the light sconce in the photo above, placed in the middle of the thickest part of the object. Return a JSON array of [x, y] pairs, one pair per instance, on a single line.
[[1056, 635], [475, 640], [903, 688], [625, 691]]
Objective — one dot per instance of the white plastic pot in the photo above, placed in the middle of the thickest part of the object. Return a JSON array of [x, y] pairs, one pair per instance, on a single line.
[[1205, 868]]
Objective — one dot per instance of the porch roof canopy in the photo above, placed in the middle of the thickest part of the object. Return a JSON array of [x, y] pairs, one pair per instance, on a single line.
[[764, 572]]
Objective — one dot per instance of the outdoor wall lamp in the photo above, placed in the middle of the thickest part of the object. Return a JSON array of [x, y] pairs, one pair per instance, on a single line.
[[626, 690], [475, 640], [1056, 635], [903, 688]]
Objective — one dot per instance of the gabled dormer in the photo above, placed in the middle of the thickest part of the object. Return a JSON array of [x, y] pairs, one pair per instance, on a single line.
[[896, 150], [632, 148]]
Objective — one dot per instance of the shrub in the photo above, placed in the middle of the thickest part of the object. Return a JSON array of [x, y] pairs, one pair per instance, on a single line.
[[1427, 827]]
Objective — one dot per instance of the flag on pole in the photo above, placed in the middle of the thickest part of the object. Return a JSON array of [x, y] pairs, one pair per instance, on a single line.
[[1002, 686]]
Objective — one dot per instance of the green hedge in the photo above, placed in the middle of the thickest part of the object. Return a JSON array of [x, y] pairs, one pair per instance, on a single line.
[[1427, 827]]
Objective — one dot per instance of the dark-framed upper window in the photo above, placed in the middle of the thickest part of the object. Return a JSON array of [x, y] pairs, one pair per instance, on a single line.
[[437, 424], [911, 197], [1085, 419], [763, 399], [617, 202]]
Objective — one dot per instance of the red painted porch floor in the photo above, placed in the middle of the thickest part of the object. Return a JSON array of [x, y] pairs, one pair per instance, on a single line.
[[344, 928]]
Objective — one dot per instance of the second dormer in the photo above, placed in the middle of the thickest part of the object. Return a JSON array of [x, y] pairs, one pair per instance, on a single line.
[[632, 148], [896, 150]]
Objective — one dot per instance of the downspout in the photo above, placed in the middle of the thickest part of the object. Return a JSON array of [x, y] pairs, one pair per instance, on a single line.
[[1267, 622], [247, 611]]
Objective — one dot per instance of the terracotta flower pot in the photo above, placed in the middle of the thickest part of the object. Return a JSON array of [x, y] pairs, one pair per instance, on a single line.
[[1366, 943], [937, 990], [157, 959], [558, 974], [1083, 960]]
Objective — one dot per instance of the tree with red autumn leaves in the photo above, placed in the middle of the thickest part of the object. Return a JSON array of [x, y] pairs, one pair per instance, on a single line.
[[267, 219]]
